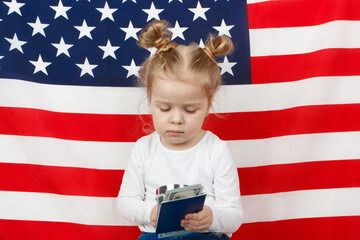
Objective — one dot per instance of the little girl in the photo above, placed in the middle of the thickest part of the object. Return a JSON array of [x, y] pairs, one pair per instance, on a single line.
[[181, 82]]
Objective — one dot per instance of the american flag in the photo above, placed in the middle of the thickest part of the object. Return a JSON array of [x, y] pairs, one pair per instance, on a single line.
[[69, 113]]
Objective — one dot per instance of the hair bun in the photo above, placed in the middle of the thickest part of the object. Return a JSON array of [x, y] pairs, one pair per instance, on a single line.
[[220, 45], [155, 34]]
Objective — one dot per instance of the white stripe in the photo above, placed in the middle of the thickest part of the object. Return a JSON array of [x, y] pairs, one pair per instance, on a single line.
[[102, 211], [301, 204], [66, 153], [277, 96], [236, 98], [297, 40], [246, 153], [60, 208], [78, 99], [296, 149], [257, 1]]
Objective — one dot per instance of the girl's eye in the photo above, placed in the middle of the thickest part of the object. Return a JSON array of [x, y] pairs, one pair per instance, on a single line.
[[190, 110], [165, 109]]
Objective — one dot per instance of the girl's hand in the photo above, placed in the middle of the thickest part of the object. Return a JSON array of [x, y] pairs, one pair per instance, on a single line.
[[153, 215], [198, 222]]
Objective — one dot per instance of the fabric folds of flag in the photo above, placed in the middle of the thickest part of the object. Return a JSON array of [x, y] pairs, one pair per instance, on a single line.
[[293, 126]]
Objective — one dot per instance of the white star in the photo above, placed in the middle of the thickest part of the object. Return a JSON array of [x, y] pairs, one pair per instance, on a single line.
[[226, 66], [107, 12], [14, 7], [40, 65], [172, 0], [86, 68], [224, 29], [153, 12], [132, 69], [60, 10], [85, 30], [152, 51], [177, 31], [62, 47], [201, 43], [38, 27], [1, 57], [131, 0], [15, 43], [131, 31], [199, 11], [109, 50]]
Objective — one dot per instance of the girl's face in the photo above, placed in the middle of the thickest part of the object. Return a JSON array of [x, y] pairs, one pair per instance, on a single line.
[[178, 112]]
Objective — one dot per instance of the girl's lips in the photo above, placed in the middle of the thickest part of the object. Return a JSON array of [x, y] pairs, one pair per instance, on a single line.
[[174, 133]]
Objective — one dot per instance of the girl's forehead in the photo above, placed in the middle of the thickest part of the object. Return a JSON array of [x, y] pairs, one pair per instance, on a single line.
[[170, 85], [169, 90], [181, 76]]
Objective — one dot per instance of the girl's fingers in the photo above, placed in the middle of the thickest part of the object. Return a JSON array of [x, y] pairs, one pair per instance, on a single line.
[[196, 225], [200, 221]]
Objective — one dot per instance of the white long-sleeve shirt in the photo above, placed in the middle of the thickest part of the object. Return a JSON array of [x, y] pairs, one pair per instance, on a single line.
[[209, 162]]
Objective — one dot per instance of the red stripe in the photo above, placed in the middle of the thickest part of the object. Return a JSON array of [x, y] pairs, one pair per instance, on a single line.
[[299, 176], [330, 228], [71, 126], [36, 230], [284, 13], [286, 68], [60, 180], [299, 120], [127, 128], [106, 183]]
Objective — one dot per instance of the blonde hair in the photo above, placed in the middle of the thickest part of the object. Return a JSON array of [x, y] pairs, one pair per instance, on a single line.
[[173, 59]]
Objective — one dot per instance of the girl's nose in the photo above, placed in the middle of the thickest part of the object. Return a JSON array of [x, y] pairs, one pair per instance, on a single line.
[[176, 117]]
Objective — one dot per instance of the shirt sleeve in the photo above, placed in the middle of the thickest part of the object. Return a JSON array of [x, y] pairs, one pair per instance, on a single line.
[[131, 199], [227, 209]]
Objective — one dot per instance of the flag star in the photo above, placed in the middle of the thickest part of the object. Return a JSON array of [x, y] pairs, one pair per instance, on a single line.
[[38, 27], [1, 57], [226, 66], [60, 10], [86, 68], [109, 50], [40, 65], [85, 30], [107, 12], [132, 69], [172, 0], [224, 29], [201, 43], [131, 0], [199, 11], [14, 7], [177, 31], [62, 47], [153, 12], [152, 51], [15, 43], [131, 31]]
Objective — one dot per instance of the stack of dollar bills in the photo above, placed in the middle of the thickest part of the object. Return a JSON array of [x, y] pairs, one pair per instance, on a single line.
[[177, 191], [176, 195]]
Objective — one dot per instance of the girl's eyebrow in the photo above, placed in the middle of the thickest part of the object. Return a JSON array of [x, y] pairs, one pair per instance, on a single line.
[[193, 105], [161, 102], [185, 104]]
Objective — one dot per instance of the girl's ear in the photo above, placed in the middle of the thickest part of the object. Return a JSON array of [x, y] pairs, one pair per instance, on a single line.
[[209, 107]]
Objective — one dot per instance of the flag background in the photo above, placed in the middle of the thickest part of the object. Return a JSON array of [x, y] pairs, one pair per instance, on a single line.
[[293, 125]]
